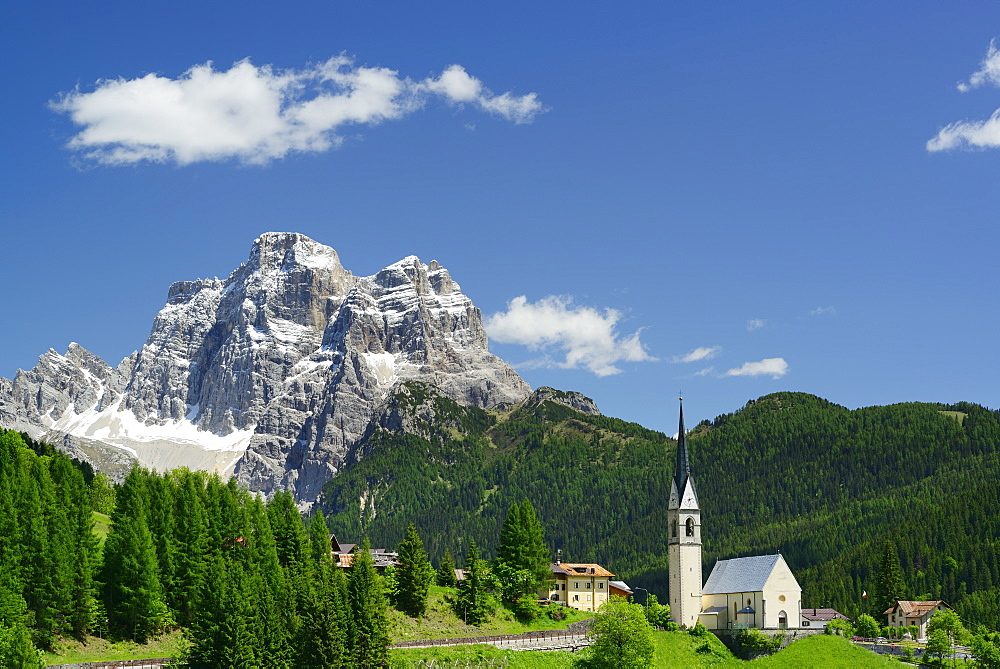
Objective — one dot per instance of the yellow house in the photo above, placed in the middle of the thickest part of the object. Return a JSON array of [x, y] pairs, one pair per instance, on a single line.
[[580, 586]]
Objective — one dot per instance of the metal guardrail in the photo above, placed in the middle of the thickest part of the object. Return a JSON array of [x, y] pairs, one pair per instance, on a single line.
[[154, 663]]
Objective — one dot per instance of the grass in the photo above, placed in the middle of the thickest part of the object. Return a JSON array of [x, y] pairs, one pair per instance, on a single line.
[[672, 650], [440, 621], [102, 523], [102, 650], [824, 651], [957, 415], [480, 655]]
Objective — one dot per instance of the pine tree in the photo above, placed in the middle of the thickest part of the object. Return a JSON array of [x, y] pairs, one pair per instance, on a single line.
[[370, 643], [133, 596], [522, 564], [413, 575], [446, 571], [473, 604], [889, 586]]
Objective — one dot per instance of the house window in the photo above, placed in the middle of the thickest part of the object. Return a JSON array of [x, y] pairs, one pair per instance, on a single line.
[[588, 586], [805, 623], [576, 586], [588, 598], [600, 585], [576, 598], [563, 586]]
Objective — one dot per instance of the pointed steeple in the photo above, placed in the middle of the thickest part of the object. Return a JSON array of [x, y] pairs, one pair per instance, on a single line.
[[682, 472]]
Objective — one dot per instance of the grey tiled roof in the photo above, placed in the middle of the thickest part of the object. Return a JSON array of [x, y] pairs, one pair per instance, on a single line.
[[747, 574]]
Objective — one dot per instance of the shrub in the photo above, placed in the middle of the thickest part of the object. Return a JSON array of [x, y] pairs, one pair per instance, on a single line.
[[698, 630], [556, 613]]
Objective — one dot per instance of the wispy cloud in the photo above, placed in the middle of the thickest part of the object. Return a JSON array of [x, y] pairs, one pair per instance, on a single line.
[[973, 134], [704, 372], [257, 114], [773, 367], [819, 311], [988, 73], [755, 324], [700, 353], [587, 337]]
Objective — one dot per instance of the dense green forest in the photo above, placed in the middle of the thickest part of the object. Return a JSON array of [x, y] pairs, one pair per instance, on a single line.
[[835, 491], [790, 472], [251, 584]]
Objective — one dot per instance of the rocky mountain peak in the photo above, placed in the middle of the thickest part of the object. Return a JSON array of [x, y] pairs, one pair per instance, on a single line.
[[272, 373]]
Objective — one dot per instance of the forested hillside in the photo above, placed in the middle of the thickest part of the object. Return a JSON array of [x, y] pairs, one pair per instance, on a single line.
[[789, 472]]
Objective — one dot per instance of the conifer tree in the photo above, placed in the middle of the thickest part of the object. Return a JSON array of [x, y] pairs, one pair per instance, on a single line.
[[370, 642], [324, 629], [446, 570], [473, 600], [413, 575], [522, 563], [889, 586], [132, 593]]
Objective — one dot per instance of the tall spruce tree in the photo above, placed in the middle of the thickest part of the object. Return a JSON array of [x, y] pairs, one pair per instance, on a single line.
[[133, 596], [370, 642], [473, 602], [446, 570], [413, 575], [889, 585], [522, 563]]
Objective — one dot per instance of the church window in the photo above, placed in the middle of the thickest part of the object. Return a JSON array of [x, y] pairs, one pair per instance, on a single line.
[[748, 602], [689, 525]]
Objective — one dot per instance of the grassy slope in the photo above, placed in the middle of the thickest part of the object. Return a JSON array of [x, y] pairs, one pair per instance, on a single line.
[[102, 650], [673, 650], [440, 622]]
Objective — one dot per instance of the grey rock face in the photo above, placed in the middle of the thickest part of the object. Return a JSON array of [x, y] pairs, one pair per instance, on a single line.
[[288, 358]]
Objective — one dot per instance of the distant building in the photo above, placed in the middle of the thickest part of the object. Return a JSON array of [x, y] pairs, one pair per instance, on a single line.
[[819, 618], [343, 555], [580, 586], [905, 613], [620, 589]]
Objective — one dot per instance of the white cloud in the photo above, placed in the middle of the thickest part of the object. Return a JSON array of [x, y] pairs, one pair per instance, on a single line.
[[700, 353], [257, 114], [586, 336], [704, 372], [774, 367], [973, 134], [819, 311], [755, 324], [988, 73]]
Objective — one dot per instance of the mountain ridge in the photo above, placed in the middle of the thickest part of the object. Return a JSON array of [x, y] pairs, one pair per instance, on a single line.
[[270, 374]]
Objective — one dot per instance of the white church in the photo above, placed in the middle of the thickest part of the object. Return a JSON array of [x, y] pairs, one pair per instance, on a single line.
[[758, 591]]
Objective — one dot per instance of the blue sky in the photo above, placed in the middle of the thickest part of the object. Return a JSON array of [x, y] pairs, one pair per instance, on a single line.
[[801, 195]]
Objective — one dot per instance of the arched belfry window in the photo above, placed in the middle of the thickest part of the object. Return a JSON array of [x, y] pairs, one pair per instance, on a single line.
[[673, 528], [689, 526]]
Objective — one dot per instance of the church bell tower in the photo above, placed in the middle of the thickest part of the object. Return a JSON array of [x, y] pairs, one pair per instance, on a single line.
[[684, 538]]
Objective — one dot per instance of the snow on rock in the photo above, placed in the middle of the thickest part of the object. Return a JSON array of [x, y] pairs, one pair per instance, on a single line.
[[272, 373]]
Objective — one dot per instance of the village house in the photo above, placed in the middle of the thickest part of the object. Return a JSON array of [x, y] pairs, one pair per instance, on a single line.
[[343, 555], [819, 618], [580, 586], [905, 613]]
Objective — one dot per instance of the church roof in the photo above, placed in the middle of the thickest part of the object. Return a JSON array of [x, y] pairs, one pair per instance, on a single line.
[[746, 574], [682, 471]]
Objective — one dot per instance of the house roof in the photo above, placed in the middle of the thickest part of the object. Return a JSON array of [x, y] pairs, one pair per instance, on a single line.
[[915, 609], [579, 569], [821, 615], [746, 574], [620, 585]]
